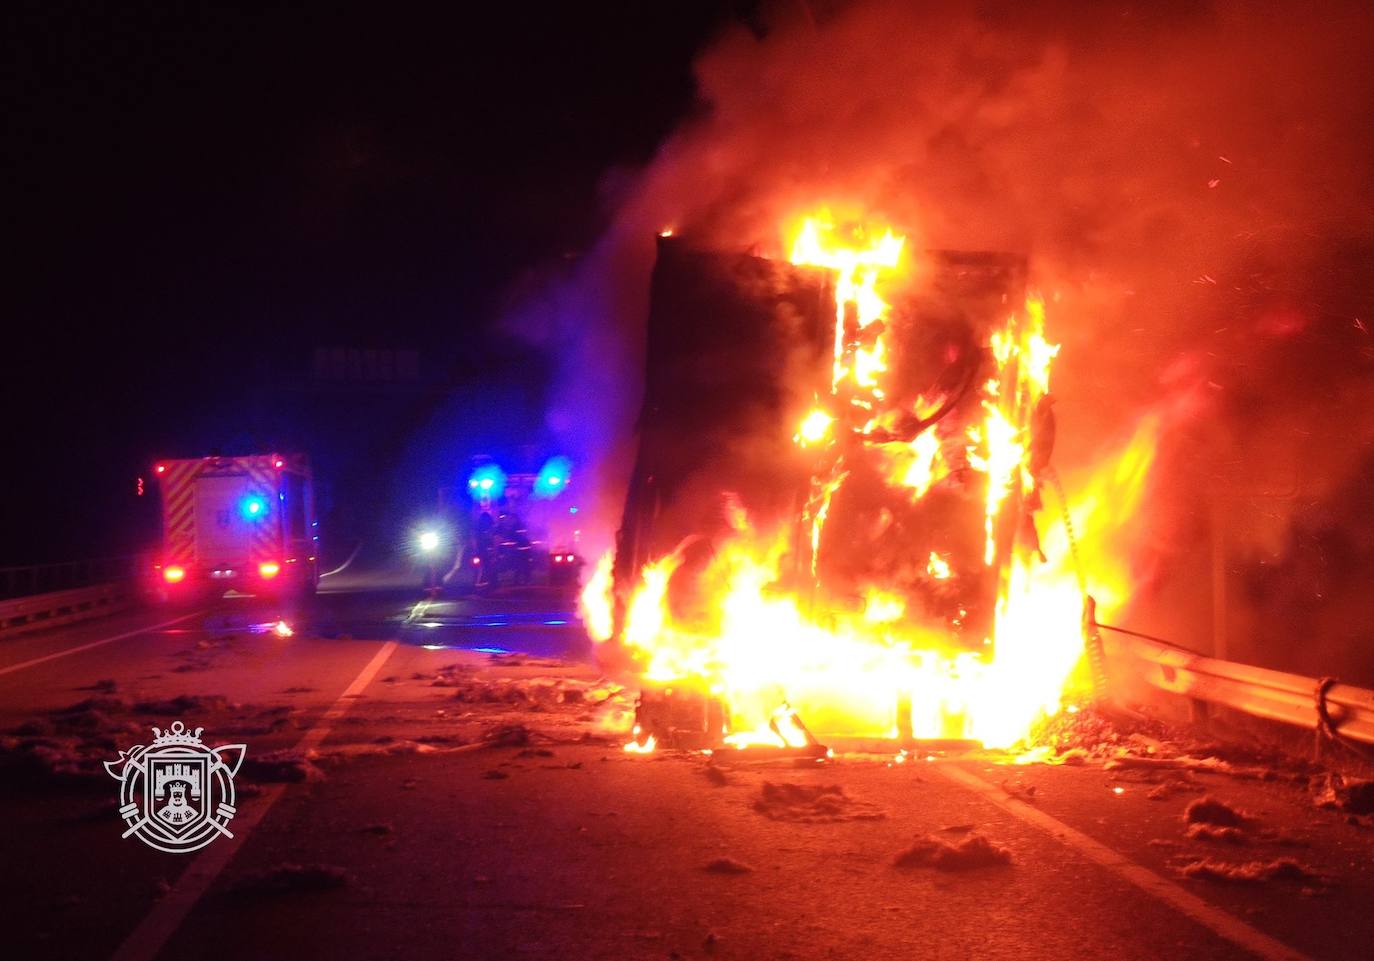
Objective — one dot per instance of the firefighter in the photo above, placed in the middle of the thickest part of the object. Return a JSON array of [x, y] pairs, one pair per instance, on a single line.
[[484, 543], [514, 544]]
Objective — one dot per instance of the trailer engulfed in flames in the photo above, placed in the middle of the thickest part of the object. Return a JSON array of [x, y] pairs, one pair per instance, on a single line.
[[839, 512]]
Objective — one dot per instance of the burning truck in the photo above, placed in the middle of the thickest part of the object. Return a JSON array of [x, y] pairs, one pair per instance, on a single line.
[[842, 520]]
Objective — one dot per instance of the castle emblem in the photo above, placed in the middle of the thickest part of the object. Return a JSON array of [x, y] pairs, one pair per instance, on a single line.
[[177, 794]]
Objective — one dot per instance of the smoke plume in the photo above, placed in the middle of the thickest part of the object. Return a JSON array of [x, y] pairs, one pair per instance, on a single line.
[[1191, 181]]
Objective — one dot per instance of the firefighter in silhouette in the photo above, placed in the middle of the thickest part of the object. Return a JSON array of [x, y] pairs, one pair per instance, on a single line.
[[483, 550], [513, 543]]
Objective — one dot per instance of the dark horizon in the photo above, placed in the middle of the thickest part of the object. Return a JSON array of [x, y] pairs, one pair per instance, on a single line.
[[206, 201]]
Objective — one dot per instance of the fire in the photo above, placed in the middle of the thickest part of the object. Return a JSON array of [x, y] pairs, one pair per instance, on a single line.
[[857, 271], [882, 608], [918, 463], [595, 600], [814, 428], [887, 662], [648, 610], [640, 747], [997, 452]]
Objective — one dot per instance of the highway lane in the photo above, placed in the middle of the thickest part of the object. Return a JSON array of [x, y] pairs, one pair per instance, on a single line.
[[101, 685], [586, 851], [589, 853], [27, 650]]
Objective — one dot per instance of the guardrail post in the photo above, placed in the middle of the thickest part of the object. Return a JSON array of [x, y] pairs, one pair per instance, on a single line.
[[1097, 654]]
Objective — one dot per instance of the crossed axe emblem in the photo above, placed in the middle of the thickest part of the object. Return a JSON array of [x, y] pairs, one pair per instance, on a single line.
[[134, 762]]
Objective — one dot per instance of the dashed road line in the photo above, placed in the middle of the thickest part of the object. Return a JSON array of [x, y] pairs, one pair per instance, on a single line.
[[1185, 902], [158, 926]]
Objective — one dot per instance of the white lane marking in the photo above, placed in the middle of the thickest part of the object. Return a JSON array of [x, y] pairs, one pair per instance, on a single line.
[[86, 647], [157, 927], [420, 609], [1183, 901], [344, 566]]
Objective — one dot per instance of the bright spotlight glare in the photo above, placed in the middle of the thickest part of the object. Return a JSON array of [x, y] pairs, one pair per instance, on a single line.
[[429, 541]]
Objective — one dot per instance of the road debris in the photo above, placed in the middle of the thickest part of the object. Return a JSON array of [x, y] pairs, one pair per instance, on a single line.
[[506, 735], [1351, 795], [1180, 784], [280, 767], [972, 852], [1209, 810], [812, 804], [1210, 832], [716, 776], [1250, 872], [104, 686], [1022, 792], [288, 878]]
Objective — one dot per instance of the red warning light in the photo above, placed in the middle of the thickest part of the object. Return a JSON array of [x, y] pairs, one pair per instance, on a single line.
[[161, 468], [278, 463]]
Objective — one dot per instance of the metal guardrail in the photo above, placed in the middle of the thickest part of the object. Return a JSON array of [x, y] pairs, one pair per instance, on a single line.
[[20, 614], [49, 578], [1327, 706]]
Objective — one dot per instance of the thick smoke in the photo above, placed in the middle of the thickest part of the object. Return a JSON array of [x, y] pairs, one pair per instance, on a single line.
[[1192, 183]]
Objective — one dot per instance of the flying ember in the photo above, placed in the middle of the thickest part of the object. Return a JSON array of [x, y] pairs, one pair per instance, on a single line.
[[930, 582]]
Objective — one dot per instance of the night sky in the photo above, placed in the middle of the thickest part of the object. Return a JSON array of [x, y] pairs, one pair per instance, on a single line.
[[200, 198]]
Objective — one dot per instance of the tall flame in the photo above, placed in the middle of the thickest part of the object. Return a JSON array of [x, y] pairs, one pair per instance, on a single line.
[[773, 655], [596, 600]]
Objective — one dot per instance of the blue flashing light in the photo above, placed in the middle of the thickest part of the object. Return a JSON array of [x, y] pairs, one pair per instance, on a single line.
[[554, 477], [487, 481], [254, 507], [572, 510]]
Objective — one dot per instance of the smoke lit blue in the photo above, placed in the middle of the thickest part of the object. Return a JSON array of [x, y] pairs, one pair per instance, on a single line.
[[487, 481], [553, 477]]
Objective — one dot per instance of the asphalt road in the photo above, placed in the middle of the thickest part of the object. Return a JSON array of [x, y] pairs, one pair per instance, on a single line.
[[442, 778]]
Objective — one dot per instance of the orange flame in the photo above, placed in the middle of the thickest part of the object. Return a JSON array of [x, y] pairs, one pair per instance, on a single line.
[[596, 602], [773, 654]]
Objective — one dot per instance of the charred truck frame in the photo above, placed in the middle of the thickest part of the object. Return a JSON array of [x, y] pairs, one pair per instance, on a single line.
[[735, 345]]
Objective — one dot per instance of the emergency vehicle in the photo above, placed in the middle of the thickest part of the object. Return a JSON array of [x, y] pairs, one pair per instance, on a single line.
[[242, 523]]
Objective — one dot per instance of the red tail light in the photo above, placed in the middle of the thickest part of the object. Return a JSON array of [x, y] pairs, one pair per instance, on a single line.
[[269, 569], [173, 574]]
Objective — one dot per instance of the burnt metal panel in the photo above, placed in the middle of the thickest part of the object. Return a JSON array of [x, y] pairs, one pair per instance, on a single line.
[[734, 343]]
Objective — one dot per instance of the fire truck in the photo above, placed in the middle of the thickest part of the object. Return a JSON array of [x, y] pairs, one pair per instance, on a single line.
[[242, 523]]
